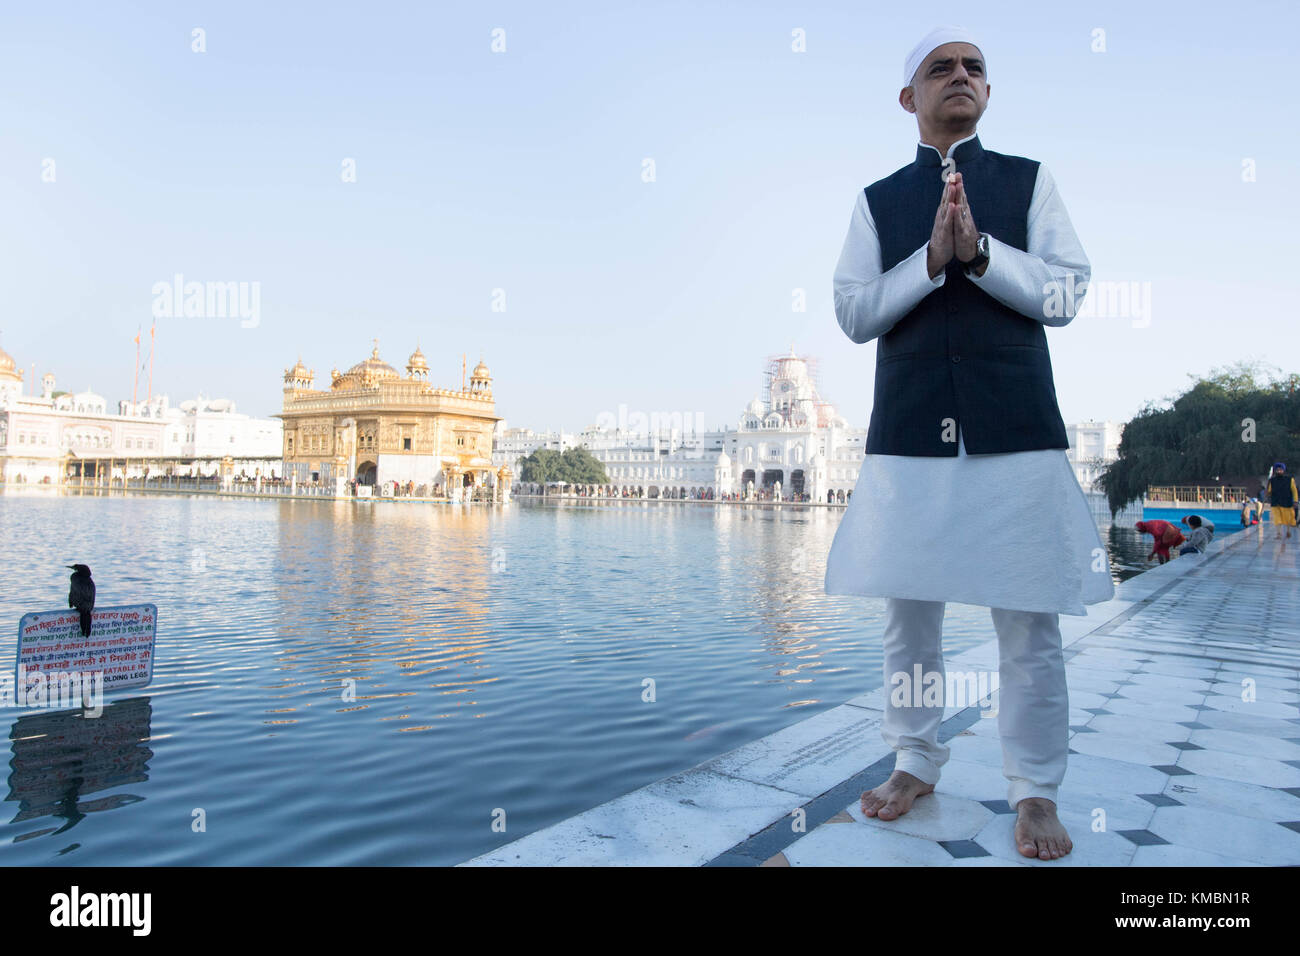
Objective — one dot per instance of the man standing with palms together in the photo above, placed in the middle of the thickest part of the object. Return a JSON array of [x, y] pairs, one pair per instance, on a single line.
[[965, 410]]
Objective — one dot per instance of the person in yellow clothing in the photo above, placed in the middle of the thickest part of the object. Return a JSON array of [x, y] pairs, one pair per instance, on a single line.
[[1282, 498]]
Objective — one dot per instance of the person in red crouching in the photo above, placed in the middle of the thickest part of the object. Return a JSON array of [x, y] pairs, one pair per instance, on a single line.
[[1165, 534]]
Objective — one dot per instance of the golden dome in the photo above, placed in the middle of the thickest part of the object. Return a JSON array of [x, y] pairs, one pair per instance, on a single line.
[[417, 359], [367, 372], [8, 367], [480, 371], [298, 372], [374, 367]]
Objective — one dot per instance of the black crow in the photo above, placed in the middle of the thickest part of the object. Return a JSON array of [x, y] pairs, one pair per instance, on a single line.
[[81, 595]]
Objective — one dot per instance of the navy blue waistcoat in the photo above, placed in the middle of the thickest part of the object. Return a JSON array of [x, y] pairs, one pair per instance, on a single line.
[[960, 359]]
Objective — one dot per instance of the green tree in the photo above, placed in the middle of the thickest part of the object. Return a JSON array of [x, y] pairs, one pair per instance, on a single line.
[[540, 467], [582, 468], [577, 466], [1227, 428]]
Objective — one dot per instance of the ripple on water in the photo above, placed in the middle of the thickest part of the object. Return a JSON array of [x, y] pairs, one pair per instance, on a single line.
[[340, 684]]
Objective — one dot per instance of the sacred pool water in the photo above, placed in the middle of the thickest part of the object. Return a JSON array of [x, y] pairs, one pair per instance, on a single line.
[[349, 683]]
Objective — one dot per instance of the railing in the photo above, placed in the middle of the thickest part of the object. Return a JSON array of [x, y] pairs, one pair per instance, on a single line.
[[201, 485], [270, 488], [1203, 494], [1100, 507]]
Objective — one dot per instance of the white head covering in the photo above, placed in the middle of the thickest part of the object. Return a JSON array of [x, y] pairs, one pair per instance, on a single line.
[[932, 41]]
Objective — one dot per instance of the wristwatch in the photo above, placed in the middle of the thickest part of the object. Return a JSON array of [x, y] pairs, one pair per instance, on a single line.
[[981, 254]]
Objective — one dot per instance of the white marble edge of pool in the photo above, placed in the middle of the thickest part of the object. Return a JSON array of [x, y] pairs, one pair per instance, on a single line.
[[691, 817]]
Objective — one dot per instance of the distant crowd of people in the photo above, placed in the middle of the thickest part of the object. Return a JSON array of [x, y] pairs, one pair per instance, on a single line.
[[1278, 494], [766, 493]]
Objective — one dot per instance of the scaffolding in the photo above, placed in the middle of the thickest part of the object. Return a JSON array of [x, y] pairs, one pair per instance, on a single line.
[[774, 369]]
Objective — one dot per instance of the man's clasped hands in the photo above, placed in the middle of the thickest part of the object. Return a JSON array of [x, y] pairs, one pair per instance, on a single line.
[[954, 232]]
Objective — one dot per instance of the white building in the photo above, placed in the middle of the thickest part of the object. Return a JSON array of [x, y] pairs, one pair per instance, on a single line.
[[211, 429], [1093, 446], [47, 437], [44, 437], [788, 435]]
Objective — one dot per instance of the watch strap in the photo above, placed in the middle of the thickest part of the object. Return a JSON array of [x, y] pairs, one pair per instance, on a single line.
[[980, 257]]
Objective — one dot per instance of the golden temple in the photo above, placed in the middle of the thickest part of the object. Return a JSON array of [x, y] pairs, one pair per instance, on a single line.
[[380, 428]]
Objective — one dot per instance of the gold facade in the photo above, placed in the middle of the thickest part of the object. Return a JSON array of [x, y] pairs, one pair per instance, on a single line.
[[378, 426]]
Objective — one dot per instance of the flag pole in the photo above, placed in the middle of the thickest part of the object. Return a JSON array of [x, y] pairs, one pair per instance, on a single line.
[[152, 330], [135, 384]]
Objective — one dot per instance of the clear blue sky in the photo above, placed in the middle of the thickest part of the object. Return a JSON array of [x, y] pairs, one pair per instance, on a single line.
[[522, 171]]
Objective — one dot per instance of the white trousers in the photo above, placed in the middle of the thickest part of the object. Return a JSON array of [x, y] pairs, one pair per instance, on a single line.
[[1033, 702]]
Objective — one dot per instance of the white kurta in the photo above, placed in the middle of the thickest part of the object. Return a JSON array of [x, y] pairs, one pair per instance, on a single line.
[[1008, 530]]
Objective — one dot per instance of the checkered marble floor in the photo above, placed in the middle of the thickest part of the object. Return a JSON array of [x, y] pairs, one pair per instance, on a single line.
[[1184, 742], [1184, 750]]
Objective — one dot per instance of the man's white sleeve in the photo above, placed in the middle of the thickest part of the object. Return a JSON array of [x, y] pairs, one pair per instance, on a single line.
[[1037, 282], [868, 302]]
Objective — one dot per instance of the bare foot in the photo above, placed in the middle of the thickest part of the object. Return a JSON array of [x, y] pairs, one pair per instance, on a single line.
[[894, 797], [1038, 832]]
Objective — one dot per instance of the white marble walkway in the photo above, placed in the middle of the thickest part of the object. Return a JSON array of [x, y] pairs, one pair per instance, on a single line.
[[1184, 750]]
